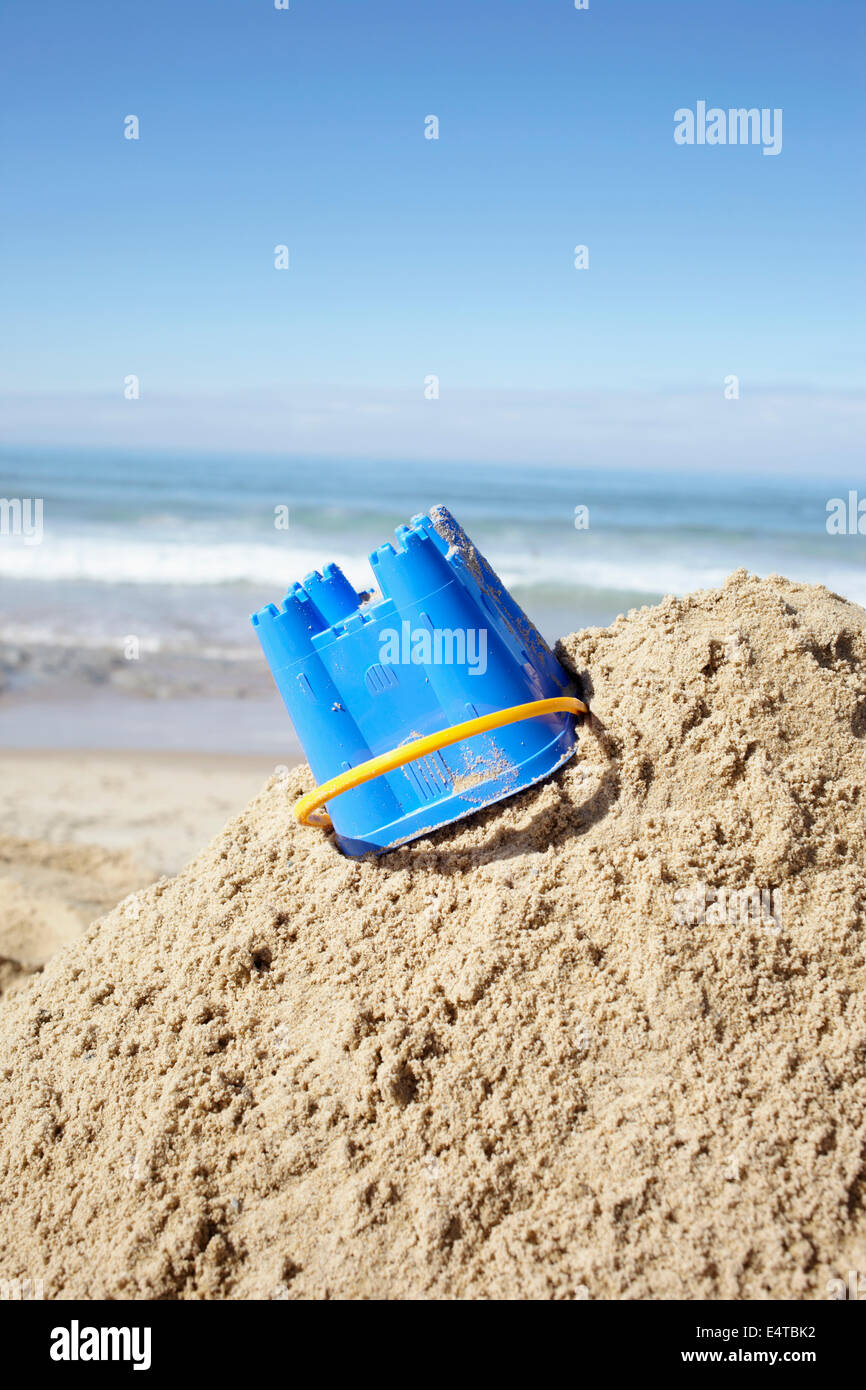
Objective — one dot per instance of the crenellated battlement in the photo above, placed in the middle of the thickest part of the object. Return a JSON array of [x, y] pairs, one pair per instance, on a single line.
[[442, 642]]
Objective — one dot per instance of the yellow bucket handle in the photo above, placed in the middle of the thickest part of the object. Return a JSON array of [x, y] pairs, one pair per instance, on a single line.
[[306, 805]]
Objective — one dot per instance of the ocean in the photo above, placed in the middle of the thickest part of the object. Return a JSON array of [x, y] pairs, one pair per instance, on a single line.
[[128, 625]]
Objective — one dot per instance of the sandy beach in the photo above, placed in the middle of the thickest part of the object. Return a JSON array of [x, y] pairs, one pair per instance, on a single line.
[[433, 677], [79, 831], [605, 1040]]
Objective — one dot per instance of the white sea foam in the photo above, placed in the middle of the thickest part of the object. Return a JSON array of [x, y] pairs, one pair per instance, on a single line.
[[112, 561], [271, 568]]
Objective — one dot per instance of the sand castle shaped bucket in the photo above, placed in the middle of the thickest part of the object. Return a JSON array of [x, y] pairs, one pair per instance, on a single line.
[[418, 704]]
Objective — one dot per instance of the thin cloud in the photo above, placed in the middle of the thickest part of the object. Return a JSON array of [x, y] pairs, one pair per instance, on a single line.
[[772, 430]]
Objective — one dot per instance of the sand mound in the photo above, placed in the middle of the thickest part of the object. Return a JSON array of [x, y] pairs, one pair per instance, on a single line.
[[80, 831], [48, 895], [513, 1059]]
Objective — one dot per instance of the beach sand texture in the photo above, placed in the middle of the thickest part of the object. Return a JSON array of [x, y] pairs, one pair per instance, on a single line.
[[493, 1062], [79, 831]]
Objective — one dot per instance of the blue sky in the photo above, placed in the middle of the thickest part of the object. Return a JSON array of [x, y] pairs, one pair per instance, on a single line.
[[411, 256]]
